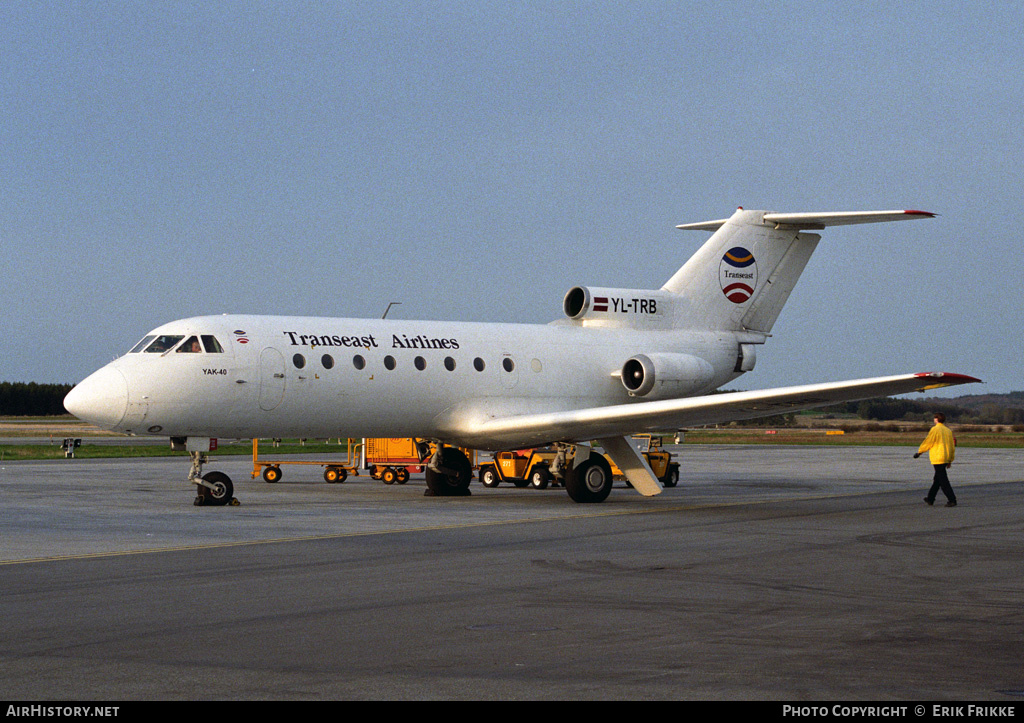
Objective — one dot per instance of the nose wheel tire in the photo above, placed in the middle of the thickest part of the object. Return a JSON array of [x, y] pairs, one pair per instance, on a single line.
[[216, 490]]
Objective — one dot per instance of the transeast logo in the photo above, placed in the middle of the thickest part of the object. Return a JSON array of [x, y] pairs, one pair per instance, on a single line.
[[738, 275]]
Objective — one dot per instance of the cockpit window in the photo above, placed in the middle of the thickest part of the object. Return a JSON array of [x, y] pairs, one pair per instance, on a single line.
[[191, 346], [142, 344], [154, 344], [164, 343]]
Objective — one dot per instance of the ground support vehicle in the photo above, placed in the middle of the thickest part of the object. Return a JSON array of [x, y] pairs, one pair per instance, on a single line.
[[586, 480], [533, 467], [660, 460], [391, 459], [523, 468], [334, 471]]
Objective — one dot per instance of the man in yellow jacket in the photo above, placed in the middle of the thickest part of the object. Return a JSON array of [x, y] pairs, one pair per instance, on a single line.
[[940, 444]]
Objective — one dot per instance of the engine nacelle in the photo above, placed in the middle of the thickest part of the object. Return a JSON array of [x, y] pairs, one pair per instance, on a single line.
[[665, 376], [590, 303]]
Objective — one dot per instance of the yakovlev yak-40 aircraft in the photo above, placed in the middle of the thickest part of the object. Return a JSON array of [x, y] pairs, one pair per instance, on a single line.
[[621, 362]]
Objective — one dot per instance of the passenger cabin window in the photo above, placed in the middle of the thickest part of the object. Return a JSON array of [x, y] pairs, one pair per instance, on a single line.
[[164, 343], [142, 344], [191, 346], [211, 345]]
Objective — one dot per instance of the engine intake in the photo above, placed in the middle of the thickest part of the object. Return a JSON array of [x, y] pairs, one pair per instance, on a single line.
[[586, 303], [665, 376], [576, 302]]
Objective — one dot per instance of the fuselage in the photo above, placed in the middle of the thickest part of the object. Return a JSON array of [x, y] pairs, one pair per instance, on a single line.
[[480, 385], [272, 376]]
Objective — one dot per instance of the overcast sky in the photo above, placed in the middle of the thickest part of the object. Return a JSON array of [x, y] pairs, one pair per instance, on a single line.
[[475, 160]]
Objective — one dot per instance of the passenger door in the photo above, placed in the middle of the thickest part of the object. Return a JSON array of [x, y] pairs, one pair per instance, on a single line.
[[272, 379]]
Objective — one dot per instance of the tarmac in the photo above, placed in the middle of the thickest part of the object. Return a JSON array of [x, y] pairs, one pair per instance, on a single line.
[[770, 573]]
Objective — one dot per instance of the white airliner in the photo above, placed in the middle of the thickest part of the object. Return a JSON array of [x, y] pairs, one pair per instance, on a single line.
[[620, 362]]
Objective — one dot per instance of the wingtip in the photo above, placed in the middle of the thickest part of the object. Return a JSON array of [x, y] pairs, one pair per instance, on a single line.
[[948, 378]]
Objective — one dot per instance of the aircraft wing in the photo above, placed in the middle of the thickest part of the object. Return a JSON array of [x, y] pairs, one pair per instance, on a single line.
[[619, 420]]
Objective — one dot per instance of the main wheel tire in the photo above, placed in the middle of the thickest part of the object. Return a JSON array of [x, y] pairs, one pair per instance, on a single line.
[[220, 494], [455, 484], [590, 481], [489, 476], [271, 474], [540, 477]]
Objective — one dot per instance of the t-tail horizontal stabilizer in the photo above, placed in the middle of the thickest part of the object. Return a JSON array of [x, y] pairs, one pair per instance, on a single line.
[[817, 220], [742, 276]]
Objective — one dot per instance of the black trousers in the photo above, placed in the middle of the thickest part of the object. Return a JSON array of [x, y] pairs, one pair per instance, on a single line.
[[941, 482]]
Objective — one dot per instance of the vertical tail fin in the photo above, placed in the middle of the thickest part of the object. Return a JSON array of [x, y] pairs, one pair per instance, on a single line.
[[742, 276]]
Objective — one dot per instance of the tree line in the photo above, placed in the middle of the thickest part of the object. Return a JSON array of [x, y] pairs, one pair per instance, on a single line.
[[891, 409], [21, 399], [888, 409]]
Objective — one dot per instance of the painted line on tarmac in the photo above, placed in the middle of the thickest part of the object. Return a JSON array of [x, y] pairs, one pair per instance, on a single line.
[[426, 528], [465, 526], [652, 510]]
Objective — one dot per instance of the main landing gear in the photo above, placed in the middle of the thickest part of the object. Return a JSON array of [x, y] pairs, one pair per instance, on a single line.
[[213, 488], [448, 473], [587, 476]]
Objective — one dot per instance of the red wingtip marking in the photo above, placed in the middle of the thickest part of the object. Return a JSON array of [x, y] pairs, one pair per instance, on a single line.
[[929, 214], [952, 378]]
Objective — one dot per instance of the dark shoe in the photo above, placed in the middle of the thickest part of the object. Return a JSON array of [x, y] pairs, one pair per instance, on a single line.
[[951, 503], [930, 502]]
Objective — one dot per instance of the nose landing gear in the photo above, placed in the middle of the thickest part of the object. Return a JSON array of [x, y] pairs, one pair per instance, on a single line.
[[213, 489]]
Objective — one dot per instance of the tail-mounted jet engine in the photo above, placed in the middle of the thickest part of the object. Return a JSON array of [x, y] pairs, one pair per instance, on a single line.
[[588, 303], [665, 376]]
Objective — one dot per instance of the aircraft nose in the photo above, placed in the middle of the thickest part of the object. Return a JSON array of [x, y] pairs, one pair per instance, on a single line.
[[101, 398]]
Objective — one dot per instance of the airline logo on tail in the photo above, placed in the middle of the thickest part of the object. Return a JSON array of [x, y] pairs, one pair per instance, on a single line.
[[738, 274]]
